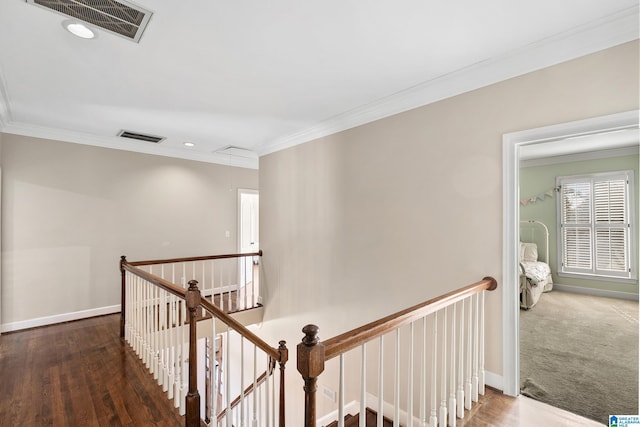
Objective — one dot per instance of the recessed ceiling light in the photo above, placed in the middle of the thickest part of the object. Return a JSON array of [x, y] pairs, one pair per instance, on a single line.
[[189, 144], [78, 29]]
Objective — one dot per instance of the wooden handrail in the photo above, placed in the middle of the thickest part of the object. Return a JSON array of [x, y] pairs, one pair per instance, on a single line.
[[197, 258], [241, 329], [356, 337]]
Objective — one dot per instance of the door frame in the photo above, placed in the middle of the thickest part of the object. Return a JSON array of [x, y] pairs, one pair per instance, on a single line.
[[511, 143]]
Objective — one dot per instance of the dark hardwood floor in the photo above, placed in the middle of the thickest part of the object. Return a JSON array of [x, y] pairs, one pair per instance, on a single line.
[[81, 374], [78, 374]]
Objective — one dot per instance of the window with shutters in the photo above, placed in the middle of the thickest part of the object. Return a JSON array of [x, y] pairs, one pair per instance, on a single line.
[[595, 227]]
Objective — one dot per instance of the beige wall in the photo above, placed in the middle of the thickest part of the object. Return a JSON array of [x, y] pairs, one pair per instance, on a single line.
[[69, 211], [377, 218]]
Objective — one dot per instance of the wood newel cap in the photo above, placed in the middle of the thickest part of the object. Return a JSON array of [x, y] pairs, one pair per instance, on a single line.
[[310, 335], [193, 295], [123, 260], [284, 352], [494, 283], [310, 353]]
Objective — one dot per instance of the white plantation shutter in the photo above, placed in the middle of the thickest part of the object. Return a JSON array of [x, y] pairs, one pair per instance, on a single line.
[[576, 214], [595, 225]]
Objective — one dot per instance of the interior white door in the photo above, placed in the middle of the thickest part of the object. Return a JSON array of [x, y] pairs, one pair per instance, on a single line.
[[249, 232]]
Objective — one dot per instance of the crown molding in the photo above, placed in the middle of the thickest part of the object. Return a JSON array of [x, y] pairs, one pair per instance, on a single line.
[[601, 34], [598, 35], [114, 142]]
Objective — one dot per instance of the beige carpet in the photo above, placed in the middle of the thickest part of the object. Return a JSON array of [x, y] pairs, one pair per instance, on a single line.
[[580, 353]]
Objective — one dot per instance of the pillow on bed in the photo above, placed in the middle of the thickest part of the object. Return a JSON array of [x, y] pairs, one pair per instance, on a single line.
[[528, 252]]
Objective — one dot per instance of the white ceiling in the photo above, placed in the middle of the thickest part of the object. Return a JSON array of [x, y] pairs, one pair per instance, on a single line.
[[268, 75]]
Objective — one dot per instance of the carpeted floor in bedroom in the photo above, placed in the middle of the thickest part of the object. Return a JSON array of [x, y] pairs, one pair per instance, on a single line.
[[580, 353]]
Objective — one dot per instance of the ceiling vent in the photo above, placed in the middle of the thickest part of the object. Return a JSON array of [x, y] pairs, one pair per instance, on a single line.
[[117, 17], [237, 151], [140, 136]]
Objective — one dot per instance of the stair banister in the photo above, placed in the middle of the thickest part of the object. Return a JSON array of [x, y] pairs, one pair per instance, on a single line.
[[312, 353], [196, 258], [196, 306]]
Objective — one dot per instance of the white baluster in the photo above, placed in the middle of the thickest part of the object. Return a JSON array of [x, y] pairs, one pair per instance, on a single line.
[[341, 392], [467, 386], [410, 374], [363, 387], [269, 396], [482, 375], [170, 349], [154, 331], [184, 366], [216, 373], [254, 396], [229, 302], [227, 378], [433, 420], [183, 280], [443, 372], [396, 412], [460, 395], [242, 412], [145, 319], [213, 280], [452, 374], [423, 376], [381, 382], [474, 380], [244, 287], [274, 396]]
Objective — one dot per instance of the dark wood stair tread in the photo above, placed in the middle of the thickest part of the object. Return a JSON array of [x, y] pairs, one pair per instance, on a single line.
[[354, 420]]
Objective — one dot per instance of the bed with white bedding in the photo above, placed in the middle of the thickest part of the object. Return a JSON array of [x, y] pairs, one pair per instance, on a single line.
[[535, 273]]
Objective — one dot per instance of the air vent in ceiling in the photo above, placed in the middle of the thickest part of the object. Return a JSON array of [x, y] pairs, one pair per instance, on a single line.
[[237, 151], [118, 17], [140, 136]]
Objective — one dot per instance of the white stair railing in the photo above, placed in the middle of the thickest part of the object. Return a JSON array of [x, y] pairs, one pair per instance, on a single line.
[[165, 324], [440, 342], [232, 281]]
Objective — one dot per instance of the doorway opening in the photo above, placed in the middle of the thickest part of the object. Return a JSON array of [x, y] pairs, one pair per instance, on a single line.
[[248, 232], [513, 143]]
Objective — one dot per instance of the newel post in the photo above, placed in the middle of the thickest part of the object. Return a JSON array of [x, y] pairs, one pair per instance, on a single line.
[[310, 366], [123, 285], [192, 400]]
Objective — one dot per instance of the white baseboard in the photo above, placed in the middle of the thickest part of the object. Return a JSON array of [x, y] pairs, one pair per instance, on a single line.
[[595, 292], [59, 318], [494, 380]]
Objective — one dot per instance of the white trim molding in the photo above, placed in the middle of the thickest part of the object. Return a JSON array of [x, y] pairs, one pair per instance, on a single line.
[[494, 380], [602, 34], [59, 318], [511, 144], [595, 292]]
